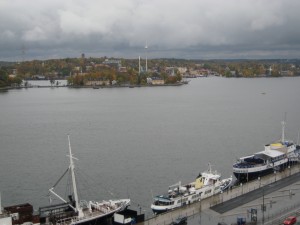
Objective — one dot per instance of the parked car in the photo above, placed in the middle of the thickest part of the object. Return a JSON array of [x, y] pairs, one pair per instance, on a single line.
[[180, 220], [290, 220]]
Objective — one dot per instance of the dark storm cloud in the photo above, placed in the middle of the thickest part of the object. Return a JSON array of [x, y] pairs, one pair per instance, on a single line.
[[120, 28]]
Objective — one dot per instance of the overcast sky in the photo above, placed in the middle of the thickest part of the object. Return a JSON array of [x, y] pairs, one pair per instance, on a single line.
[[202, 29]]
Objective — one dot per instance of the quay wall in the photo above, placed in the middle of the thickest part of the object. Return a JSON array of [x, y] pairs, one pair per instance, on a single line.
[[234, 192]]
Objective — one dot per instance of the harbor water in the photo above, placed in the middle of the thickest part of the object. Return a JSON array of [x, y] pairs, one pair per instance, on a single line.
[[135, 142]]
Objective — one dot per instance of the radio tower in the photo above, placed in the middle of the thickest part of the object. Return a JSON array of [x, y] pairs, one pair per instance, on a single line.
[[146, 47]]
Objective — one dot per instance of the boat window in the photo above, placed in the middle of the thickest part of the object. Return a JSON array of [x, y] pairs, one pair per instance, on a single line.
[[163, 203], [208, 191]]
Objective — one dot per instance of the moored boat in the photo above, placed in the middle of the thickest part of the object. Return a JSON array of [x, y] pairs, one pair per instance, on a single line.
[[208, 183], [75, 211], [275, 157]]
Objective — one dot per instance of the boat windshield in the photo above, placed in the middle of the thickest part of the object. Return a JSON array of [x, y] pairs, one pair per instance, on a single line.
[[162, 202], [162, 199]]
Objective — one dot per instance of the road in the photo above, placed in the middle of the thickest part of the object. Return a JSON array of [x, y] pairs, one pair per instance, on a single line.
[[255, 194]]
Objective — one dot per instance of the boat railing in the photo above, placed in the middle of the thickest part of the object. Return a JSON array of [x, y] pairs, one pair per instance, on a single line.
[[66, 221], [247, 165], [75, 219]]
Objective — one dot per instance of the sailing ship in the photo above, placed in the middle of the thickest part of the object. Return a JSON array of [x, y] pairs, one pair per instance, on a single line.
[[207, 184], [275, 157], [76, 212]]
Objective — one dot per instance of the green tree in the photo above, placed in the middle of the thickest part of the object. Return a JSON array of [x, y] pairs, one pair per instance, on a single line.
[[3, 78], [14, 80]]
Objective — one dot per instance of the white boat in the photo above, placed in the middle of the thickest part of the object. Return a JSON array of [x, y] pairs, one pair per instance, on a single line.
[[74, 211], [275, 157], [208, 183]]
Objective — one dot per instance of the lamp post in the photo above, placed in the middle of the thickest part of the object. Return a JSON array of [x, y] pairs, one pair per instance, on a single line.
[[263, 207], [200, 210], [241, 187], [140, 208], [222, 196]]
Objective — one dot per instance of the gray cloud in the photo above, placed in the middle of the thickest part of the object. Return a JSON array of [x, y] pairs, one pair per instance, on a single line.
[[120, 28]]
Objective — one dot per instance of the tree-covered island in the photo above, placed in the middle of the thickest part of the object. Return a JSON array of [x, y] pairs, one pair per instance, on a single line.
[[111, 71]]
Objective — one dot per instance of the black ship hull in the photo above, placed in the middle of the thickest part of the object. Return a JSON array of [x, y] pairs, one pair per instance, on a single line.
[[245, 177], [62, 213]]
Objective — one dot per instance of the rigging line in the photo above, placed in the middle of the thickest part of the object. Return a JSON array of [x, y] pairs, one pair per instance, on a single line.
[[89, 190], [85, 185], [87, 175], [68, 187], [61, 177], [97, 183], [76, 173], [79, 186]]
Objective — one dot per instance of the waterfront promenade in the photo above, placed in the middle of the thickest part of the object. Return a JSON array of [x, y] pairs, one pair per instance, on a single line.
[[231, 202]]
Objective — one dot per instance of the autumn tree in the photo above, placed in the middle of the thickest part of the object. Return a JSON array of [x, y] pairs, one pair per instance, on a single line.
[[3, 78]]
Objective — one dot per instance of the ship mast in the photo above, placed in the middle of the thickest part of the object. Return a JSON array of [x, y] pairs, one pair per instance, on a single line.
[[78, 209], [283, 129], [71, 167], [0, 205], [282, 134]]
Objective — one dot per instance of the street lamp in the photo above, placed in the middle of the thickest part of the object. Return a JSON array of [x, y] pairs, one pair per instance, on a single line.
[[222, 196], [263, 207], [242, 187]]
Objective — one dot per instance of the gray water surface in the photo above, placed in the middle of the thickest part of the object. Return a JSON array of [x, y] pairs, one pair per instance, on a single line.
[[135, 142]]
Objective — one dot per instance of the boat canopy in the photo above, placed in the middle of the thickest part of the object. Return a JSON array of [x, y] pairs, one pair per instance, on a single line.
[[269, 154]]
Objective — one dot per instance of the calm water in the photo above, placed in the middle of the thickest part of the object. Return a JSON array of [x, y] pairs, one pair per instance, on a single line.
[[135, 142]]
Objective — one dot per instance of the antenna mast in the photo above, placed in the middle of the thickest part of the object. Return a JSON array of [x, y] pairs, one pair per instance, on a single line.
[[139, 65], [282, 134], [146, 47], [283, 128], [0, 205]]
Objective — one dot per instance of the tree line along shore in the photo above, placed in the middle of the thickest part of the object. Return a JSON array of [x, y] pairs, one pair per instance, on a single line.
[[134, 72]]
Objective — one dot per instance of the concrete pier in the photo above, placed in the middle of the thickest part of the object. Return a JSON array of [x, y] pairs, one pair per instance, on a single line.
[[232, 198]]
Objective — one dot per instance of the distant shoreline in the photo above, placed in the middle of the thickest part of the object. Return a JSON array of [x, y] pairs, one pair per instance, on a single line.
[[94, 87], [5, 88], [125, 86]]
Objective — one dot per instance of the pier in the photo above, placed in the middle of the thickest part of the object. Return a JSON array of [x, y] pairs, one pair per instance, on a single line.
[[233, 198]]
